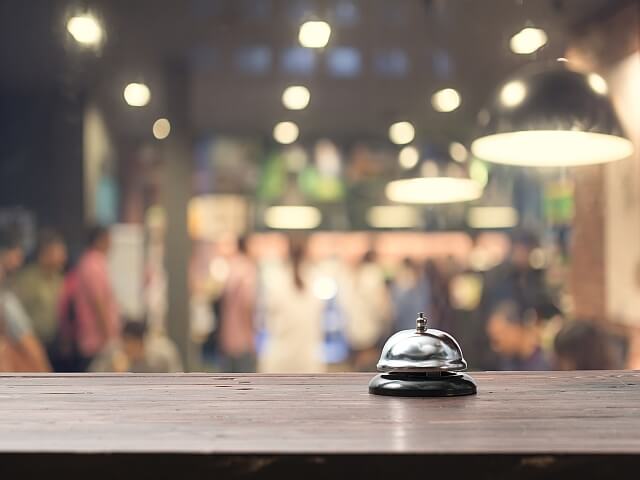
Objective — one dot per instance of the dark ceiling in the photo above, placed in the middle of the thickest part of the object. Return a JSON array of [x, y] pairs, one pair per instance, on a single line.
[[232, 56]]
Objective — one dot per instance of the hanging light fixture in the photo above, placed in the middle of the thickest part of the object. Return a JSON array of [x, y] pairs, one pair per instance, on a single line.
[[292, 212], [551, 117], [488, 217], [393, 216], [447, 182], [292, 217]]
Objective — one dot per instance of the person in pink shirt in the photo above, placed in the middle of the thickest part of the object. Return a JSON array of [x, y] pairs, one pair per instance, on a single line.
[[237, 332], [96, 310]]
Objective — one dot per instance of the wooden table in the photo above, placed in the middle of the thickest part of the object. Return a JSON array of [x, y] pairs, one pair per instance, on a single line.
[[319, 426]]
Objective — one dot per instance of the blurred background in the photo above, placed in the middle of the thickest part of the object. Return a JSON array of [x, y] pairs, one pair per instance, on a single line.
[[279, 185]]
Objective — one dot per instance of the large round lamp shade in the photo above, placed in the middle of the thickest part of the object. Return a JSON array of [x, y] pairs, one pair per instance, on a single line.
[[551, 117]]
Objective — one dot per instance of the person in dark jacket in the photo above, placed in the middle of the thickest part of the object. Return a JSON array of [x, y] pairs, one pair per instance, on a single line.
[[514, 302]]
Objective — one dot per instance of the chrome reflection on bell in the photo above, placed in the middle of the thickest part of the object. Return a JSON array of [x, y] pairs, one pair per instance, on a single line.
[[424, 362]]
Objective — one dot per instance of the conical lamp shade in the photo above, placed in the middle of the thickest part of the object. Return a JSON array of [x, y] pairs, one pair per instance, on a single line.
[[551, 117]]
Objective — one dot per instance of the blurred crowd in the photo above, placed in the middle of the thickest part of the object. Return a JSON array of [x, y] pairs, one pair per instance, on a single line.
[[303, 314], [296, 314], [63, 316]]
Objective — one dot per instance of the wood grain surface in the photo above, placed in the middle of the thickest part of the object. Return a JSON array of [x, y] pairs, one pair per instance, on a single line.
[[513, 413]]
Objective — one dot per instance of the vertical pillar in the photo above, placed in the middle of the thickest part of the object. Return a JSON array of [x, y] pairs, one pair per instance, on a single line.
[[605, 257], [587, 277], [176, 192]]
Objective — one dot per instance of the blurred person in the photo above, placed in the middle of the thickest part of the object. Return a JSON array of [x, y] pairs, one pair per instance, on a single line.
[[582, 345], [439, 280], [96, 319], [411, 293], [517, 338], [293, 319], [236, 335], [137, 352], [20, 349], [455, 314], [38, 286], [369, 312], [513, 281]]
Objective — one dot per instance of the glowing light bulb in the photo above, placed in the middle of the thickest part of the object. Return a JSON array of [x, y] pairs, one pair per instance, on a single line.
[[458, 152], [513, 93], [314, 34], [137, 94], [446, 100], [528, 40], [286, 132], [597, 83], [161, 128], [85, 29], [296, 97], [408, 157], [401, 133]]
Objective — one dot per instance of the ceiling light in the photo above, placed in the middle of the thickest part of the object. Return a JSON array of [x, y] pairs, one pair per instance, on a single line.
[[85, 29], [433, 190], [458, 152], [446, 100], [597, 83], [393, 216], [492, 217], [528, 40], [161, 128], [314, 34], [551, 117], [513, 93], [137, 94], [408, 157], [292, 217], [550, 148], [286, 132], [296, 97], [401, 133]]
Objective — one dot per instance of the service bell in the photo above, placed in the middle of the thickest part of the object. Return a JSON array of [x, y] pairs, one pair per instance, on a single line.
[[424, 362]]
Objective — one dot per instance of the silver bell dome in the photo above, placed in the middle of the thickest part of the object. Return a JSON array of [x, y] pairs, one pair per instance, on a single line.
[[421, 350]]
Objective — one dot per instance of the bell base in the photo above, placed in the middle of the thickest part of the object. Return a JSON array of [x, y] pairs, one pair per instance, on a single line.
[[422, 385]]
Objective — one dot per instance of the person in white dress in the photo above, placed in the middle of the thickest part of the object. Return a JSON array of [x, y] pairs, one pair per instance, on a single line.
[[293, 319]]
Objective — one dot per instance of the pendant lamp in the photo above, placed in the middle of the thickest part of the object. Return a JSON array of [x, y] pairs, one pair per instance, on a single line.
[[446, 182], [293, 212], [548, 117]]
